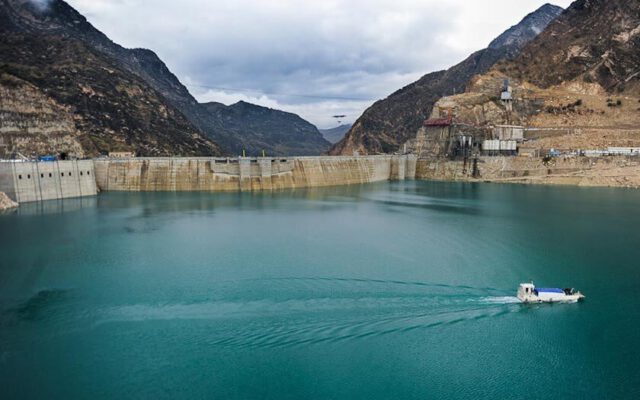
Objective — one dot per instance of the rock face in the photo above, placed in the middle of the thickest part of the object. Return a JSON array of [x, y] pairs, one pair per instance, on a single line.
[[6, 203], [254, 129], [334, 135], [56, 53], [389, 123], [124, 99], [596, 41], [34, 123]]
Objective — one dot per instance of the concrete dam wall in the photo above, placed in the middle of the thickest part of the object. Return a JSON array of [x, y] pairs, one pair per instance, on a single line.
[[38, 181], [248, 174]]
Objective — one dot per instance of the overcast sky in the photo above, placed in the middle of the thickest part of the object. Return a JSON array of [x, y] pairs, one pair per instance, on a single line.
[[314, 58]]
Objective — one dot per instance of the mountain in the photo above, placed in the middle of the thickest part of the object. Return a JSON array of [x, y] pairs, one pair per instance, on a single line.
[[528, 29], [254, 129], [576, 85], [334, 135], [129, 86], [597, 41], [391, 122], [63, 92]]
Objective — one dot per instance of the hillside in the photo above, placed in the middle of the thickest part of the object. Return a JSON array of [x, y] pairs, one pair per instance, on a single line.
[[391, 122], [85, 101], [334, 135], [254, 129], [595, 41], [577, 86], [118, 89]]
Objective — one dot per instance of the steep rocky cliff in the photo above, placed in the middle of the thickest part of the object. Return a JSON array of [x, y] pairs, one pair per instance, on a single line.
[[111, 107], [123, 87], [254, 129], [597, 41], [33, 123], [392, 121]]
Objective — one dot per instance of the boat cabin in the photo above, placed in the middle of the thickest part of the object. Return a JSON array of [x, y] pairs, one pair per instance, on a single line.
[[526, 290]]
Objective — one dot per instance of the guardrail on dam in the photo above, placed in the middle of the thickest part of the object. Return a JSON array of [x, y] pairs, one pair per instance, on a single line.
[[37, 181], [248, 174]]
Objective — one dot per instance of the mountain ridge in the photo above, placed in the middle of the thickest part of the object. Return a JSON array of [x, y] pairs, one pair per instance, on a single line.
[[111, 107], [275, 132], [390, 122], [334, 135], [59, 21]]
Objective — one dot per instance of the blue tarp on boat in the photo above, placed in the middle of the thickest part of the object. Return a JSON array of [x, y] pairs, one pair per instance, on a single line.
[[549, 290]]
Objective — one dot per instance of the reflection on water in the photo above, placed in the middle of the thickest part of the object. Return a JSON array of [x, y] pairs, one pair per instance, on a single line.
[[56, 206]]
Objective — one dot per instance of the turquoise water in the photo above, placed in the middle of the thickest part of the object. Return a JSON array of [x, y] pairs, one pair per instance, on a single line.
[[392, 290]]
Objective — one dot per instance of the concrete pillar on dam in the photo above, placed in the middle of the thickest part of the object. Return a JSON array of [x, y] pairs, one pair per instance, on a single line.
[[398, 168], [403, 167], [265, 173], [245, 174]]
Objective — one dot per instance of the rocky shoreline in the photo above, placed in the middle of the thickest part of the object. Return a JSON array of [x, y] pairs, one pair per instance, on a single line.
[[6, 203]]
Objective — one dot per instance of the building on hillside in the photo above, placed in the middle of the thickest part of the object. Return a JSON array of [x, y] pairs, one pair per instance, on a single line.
[[623, 151], [506, 97], [496, 147]]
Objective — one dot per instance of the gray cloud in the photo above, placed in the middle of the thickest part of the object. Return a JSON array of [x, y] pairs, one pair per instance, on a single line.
[[288, 53]]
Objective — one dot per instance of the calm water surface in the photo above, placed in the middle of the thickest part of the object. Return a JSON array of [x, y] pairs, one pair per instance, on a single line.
[[393, 290]]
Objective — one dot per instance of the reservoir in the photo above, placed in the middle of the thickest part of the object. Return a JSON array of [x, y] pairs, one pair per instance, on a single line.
[[387, 290]]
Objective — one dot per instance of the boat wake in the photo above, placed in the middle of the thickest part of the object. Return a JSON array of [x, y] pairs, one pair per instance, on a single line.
[[500, 300], [297, 311], [281, 312]]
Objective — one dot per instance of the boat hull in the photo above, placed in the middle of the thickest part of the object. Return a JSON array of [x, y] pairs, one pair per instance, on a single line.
[[551, 299]]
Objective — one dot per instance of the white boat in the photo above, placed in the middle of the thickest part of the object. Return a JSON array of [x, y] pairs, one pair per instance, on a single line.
[[528, 293]]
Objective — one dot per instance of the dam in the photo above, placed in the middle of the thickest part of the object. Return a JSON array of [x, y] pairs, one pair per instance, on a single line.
[[37, 181], [248, 174], [25, 182]]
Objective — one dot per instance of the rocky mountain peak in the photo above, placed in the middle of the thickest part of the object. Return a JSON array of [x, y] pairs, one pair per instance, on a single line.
[[596, 40], [530, 27]]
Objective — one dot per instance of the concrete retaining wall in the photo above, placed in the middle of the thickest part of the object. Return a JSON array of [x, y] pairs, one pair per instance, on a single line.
[[37, 181], [248, 174], [576, 171]]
